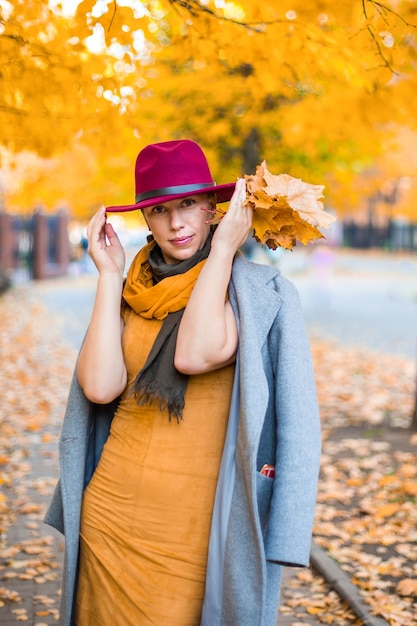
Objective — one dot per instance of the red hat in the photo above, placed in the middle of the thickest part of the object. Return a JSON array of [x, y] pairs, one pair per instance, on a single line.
[[172, 169]]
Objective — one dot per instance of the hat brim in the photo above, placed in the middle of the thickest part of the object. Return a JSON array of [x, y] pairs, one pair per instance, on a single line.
[[223, 194]]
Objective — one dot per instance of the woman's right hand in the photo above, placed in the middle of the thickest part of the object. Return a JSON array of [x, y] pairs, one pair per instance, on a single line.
[[104, 246], [100, 368]]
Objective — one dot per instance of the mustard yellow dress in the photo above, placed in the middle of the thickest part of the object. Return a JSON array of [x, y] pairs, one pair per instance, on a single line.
[[147, 511]]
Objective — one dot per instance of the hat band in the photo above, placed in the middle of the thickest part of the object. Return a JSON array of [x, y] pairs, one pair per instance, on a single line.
[[170, 191]]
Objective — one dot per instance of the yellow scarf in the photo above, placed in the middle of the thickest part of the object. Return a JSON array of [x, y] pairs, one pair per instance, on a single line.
[[159, 380], [157, 300]]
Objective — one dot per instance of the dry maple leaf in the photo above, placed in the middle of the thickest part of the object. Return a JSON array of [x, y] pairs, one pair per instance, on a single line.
[[407, 587], [286, 209]]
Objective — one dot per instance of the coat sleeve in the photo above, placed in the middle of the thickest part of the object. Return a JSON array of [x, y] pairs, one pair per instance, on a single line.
[[85, 430], [297, 463]]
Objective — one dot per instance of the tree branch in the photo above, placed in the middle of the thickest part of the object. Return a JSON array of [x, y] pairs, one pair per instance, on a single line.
[[387, 9], [113, 16], [371, 32], [194, 7]]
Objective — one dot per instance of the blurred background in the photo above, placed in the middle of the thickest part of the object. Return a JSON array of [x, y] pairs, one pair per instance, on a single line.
[[323, 91]]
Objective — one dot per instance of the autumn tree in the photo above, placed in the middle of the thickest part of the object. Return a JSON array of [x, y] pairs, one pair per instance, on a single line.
[[316, 88], [323, 90], [315, 91]]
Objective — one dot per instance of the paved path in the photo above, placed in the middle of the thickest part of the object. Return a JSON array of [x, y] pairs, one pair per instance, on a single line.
[[368, 300], [364, 299], [31, 564]]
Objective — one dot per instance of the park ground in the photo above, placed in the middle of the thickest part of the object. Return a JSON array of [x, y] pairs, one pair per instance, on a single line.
[[360, 311]]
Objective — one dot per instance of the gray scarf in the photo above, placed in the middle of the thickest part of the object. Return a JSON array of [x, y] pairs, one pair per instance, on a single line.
[[159, 379]]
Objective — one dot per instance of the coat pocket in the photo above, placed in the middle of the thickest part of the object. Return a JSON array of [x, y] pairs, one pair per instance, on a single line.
[[264, 486]]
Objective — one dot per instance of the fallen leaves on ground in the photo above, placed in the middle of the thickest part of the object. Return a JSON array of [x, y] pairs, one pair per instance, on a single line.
[[308, 594], [34, 375], [366, 513]]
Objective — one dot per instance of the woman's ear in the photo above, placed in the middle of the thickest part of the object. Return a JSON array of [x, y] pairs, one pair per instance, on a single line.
[[212, 200], [149, 237], [144, 217]]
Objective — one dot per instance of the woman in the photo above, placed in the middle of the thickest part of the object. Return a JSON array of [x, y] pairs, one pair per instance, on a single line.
[[204, 374]]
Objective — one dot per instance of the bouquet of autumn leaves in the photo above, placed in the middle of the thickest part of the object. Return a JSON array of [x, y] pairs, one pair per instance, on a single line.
[[285, 209]]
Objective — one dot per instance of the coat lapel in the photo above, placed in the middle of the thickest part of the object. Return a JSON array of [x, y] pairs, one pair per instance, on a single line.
[[256, 304], [249, 290]]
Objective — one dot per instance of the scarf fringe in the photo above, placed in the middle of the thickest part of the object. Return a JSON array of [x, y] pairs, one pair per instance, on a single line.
[[168, 399]]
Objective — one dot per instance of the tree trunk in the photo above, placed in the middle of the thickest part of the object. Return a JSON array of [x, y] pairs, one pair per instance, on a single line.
[[414, 416], [251, 151]]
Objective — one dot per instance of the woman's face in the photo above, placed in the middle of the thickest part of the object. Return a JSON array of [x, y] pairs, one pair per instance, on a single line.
[[180, 226]]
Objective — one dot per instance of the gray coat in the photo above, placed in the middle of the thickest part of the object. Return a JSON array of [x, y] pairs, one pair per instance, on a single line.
[[259, 523]]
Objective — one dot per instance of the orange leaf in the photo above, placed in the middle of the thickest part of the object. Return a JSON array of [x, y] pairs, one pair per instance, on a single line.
[[407, 587], [286, 209], [386, 510], [388, 480], [410, 487]]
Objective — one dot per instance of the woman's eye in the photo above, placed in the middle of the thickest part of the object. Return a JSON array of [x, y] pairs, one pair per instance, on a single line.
[[188, 202], [158, 209]]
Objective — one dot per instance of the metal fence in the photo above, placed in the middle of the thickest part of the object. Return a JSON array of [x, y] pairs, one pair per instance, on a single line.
[[33, 247], [394, 235]]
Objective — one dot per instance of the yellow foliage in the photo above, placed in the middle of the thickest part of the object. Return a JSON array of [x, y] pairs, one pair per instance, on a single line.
[[316, 89]]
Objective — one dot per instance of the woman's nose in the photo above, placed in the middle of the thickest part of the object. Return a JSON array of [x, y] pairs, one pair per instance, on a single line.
[[175, 220]]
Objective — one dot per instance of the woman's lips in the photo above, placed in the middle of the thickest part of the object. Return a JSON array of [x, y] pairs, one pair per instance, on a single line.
[[181, 241]]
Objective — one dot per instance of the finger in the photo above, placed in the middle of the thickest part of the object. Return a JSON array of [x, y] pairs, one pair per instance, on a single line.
[[96, 234], [237, 198], [240, 191], [241, 187], [111, 234], [97, 222]]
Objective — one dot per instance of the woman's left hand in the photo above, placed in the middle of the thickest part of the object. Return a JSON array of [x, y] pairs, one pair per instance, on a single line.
[[235, 226], [198, 351]]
